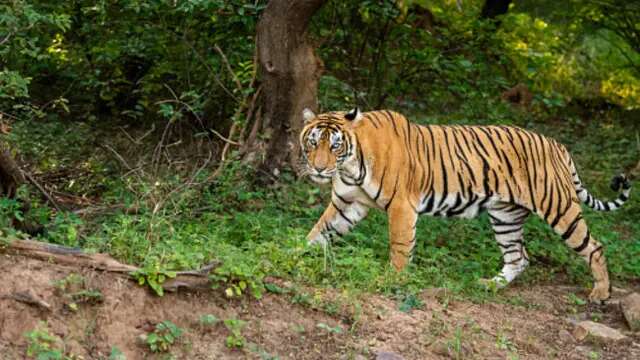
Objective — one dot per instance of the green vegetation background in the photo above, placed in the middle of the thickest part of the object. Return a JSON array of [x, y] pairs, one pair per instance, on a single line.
[[77, 78]]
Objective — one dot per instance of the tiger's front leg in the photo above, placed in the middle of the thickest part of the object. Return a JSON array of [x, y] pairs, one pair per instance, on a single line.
[[338, 219], [402, 233]]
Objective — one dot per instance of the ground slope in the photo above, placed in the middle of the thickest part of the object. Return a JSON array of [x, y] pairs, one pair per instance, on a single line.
[[535, 324]]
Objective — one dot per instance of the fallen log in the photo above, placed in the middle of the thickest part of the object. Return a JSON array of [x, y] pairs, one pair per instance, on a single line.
[[190, 279], [29, 298]]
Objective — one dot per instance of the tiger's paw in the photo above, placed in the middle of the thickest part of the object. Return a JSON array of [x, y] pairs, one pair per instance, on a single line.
[[318, 240], [599, 295]]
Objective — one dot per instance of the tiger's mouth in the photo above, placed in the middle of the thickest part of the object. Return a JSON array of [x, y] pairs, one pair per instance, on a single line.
[[322, 177]]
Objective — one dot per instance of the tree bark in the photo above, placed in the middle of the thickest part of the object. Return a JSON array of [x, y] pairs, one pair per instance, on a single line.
[[493, 8], [289, 71], [10, 175]]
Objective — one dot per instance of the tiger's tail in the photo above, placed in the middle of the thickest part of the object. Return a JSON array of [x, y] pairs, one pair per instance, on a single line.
[[618, 182]]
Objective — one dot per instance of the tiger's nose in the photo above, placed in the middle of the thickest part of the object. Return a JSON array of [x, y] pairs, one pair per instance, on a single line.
[[320, 169]]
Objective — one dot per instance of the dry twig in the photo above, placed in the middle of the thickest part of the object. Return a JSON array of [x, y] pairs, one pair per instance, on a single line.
[[226, 62], [42, 190], [28, 297]]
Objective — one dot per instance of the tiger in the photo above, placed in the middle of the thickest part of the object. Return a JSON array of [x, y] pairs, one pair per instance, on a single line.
[[378, 159]]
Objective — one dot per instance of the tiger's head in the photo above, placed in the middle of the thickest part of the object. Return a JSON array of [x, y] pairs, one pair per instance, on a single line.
[[327, 141]]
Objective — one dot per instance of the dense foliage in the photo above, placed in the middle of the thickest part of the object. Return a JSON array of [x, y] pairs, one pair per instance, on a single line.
[[448, 55], [120, 60]]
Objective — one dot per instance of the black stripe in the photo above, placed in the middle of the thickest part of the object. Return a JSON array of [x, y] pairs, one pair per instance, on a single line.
[[390, 117], [429, 206], [333, 229], [461, 183], [547, 212], [395, 188], [585, 243], [455, 205], [513, 262], [510, 252], [599, 248], [526, 151], [522, 217], [342, 199], [375, 118], [468, 204], [533, 149], [505, 232], [384, 171], [546, 180], [446, 141], [445, 186], [342, 213], [558, 215], [572, 227], [499, 222], [483, 201], [461, 155], [366, 115]]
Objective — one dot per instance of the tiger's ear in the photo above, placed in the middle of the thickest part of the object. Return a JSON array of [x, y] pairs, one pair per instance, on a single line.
[[353, 115], [308, 115]]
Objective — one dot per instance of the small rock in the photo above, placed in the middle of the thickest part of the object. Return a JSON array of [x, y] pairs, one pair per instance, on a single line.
[[385, 355], [618, 291], [631, 309], [565, 336], [597, 332], [612, 304], [575, 319], [142, 339], [440, 347]]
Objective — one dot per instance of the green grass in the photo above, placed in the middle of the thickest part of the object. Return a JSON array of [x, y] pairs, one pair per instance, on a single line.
[[257, 232]]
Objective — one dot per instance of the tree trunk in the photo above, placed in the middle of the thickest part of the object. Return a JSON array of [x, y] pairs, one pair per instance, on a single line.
[[493, 8], [10, 175], [289, 71]]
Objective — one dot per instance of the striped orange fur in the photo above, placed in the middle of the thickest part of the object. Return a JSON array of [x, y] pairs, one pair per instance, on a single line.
[[379, 159]]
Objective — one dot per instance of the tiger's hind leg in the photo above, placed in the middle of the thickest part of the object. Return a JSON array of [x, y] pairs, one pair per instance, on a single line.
[[507, 221], [574, 231]]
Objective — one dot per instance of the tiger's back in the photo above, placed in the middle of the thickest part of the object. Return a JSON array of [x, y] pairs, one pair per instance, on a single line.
[[457, 170]]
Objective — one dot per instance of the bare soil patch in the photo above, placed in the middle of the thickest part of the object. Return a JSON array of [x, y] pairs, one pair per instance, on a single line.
[[535, 323]]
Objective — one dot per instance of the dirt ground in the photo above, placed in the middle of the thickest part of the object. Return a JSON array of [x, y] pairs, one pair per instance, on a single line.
[[535, 323]]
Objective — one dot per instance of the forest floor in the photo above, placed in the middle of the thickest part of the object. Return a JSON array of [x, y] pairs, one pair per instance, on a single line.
[[276, 298], [537, 323]]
